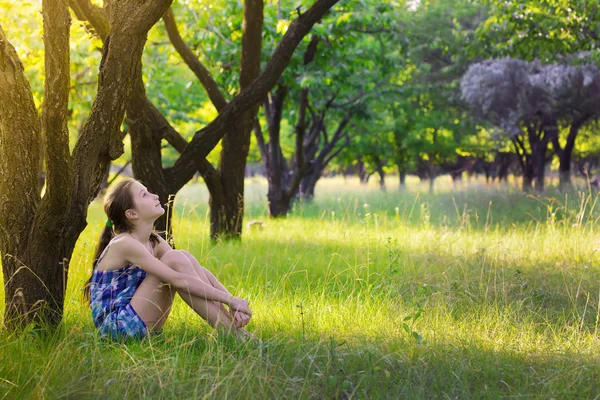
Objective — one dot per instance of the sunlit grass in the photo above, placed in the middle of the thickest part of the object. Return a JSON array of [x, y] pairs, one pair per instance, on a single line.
[[473, 291]]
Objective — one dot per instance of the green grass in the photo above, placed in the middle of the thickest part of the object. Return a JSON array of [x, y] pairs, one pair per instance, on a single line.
[[472, 292]]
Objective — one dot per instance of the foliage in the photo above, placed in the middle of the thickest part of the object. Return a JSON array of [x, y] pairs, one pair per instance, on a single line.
[[538, 29]]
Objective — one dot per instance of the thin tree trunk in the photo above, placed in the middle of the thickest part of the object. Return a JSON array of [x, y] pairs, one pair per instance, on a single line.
[[361, 170], [309, 182], [381, 173], [565, 154], [277, 170], [402, 176]]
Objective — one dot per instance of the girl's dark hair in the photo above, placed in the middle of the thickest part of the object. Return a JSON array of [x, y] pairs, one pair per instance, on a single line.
[[117, 200]]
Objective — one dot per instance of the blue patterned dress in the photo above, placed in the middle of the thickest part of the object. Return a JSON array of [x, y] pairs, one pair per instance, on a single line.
[[110, 297]]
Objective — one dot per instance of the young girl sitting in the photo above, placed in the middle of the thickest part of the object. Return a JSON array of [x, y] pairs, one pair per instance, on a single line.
[[136, 272]]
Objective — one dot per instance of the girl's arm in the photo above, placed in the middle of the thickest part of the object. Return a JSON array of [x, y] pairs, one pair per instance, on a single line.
[[163, 247], [135, 253]]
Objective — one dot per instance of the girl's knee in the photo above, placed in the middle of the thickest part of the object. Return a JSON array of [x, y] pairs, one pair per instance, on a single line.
[[186, 253], [174, 258]]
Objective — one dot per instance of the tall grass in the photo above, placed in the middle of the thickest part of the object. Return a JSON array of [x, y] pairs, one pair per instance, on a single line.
[[472, 292]]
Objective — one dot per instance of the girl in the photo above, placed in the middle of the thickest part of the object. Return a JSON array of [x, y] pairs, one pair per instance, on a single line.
[[135, 273]]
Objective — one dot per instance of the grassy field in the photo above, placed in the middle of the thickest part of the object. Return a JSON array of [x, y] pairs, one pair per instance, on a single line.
[[472, 292]]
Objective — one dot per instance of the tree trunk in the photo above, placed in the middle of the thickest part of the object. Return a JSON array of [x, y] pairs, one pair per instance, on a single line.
[[539, 147], [528, 174], [564, 170], [277, 169], [565, 155], [431, 184], [20, 155], [308, 184], [540, 173], [363, 176], [227, 212], [37, 238], [402, 175], [381, 173], [279, 206]]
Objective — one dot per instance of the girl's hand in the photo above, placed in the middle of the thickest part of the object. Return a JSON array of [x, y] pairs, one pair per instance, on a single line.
[[240, 305], [239, 319]]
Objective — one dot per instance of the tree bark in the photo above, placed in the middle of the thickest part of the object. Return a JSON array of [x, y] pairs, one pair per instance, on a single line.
[[19, 198], [309, 182]]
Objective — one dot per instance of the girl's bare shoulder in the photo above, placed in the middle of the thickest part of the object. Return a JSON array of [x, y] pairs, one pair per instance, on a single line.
[[115, 254], [123, 243]]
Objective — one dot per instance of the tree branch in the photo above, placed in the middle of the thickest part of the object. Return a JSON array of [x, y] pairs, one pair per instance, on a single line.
[[361, 94], [55, 111], [101, 137], [209, 84], [86, 11]]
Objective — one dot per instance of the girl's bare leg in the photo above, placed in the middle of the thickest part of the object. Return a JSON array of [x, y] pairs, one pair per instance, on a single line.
[[152, 301], [208, 277], [207, 309]]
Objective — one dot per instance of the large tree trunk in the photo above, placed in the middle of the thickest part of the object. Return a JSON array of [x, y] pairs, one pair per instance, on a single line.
[[19, 163], [37, 242], [227, 212]]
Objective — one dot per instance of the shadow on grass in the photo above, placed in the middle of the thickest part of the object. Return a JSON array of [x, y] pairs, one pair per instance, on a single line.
[[183, 365]]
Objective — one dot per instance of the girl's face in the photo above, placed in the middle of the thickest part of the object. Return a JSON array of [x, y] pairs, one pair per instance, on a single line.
[[147, 205]]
